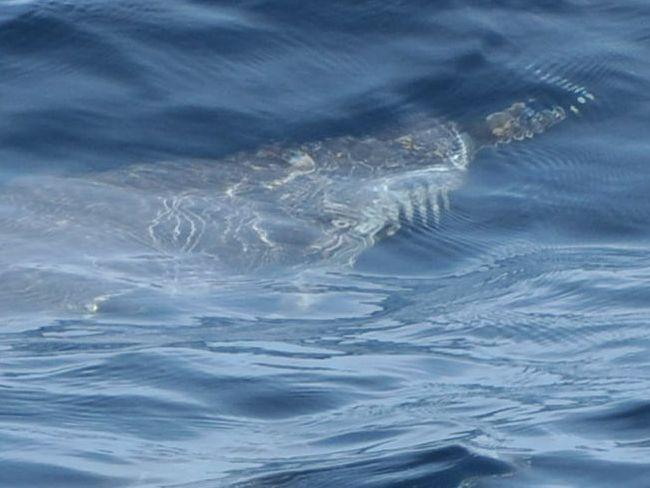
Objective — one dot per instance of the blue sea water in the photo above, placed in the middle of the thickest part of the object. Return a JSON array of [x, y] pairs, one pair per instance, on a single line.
[[508, 345]]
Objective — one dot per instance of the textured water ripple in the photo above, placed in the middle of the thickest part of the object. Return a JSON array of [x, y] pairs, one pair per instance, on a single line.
[[502, 344]]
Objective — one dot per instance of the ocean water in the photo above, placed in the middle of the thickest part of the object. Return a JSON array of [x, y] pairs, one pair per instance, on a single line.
[[505, 343]]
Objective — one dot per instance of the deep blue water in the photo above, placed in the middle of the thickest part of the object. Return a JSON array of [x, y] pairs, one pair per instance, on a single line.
[[508, 345]]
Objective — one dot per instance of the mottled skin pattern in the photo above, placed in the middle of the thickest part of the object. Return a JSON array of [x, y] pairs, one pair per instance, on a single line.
[[320, 202]]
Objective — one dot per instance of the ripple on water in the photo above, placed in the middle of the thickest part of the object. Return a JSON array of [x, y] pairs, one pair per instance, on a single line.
[[446, 466], [18, 473], [501, 343]]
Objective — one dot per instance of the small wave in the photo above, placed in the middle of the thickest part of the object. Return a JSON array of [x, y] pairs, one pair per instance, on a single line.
[[443, 467]]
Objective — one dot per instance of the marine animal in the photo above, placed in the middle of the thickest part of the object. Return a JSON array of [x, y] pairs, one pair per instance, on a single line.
[[319, 202]]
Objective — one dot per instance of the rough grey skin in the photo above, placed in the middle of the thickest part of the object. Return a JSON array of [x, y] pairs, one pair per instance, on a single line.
[[194, 223]]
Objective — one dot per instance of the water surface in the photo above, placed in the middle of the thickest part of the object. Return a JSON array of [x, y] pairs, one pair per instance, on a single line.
[[505, 345]]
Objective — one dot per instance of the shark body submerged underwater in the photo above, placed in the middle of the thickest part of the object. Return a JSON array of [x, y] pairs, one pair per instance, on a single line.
[[71, 244]]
